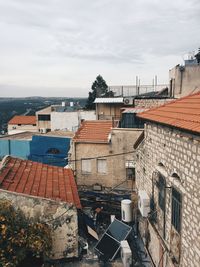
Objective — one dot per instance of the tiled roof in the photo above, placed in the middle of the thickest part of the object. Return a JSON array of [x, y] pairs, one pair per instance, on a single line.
[[23, 120], [183, 113], [94, 132], [37, 179]]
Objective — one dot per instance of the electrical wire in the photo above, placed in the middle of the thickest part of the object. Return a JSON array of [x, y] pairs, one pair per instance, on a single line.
[[104, 156]]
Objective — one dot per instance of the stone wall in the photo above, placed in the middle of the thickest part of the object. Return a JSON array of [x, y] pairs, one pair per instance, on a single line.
[[176, 155], [60, 216], [151, 103], [122, 141]]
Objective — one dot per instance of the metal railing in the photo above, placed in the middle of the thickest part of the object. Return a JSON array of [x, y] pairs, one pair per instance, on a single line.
[[133, 90]]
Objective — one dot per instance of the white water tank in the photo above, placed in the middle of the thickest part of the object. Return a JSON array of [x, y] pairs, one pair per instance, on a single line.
[[126, 210]]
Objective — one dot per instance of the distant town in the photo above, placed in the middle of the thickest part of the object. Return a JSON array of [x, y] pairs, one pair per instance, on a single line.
[[28, 106]]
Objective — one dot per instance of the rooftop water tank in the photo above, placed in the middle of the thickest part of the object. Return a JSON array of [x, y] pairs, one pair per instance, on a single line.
[[126, 210]]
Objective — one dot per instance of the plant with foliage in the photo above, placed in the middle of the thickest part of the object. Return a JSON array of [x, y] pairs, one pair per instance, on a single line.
[[18, 236], [99, 89]]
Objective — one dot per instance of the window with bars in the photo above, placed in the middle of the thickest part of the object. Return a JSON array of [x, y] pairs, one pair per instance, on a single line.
[[161, 192], [176, 209], [44, 117], [102, 166], [130, 173], [86, 166]]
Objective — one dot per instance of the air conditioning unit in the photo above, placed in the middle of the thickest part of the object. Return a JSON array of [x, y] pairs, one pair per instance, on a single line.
[[126, 254], [128, 101], [143, 203], [43, 130]]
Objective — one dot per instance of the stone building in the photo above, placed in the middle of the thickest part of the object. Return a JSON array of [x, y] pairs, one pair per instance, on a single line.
[[103, 154], [19, 124], [167, 170], [46, 194]]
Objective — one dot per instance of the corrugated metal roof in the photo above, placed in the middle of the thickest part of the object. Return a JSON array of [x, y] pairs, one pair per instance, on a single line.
[[183, 113], [134, 110], [37, 179], [108, 100], [94, 132], [23, 120]]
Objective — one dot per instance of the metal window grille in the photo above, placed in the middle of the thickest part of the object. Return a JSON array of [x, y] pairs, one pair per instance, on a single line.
[[176, 209], [161, 193]]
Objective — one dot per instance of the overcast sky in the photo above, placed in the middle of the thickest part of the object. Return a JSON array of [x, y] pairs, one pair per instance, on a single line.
[[58, 47]]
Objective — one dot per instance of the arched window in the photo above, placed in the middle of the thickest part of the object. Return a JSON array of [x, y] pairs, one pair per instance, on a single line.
[[161, 191], [176, 176], [53, 151]]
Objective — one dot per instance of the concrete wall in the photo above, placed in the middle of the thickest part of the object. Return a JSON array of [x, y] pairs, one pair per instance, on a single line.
[[43, 124], [122, 141], [179, 153], [184, 80], [40, 146], [15, 148], [70, 120], [61, 217], [15, 128]]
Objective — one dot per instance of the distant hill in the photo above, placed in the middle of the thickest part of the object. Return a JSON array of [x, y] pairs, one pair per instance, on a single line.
[[11, 106]]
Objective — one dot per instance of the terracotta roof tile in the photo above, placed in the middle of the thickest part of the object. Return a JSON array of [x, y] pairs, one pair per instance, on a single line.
[[37, 179], [23, 120], [182, 113], [94, 131]]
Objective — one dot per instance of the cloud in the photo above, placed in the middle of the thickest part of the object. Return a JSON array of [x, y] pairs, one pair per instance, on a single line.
[[65, 43]]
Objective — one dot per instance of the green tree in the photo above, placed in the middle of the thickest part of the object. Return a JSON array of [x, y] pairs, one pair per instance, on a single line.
[[99, 89], [18, 236]]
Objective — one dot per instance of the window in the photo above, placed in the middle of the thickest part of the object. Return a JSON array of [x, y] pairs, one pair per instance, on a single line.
[[102, 166], [86, 165], [44, 117], [53, 151], [176, 209], [161, 192], [130, 173]]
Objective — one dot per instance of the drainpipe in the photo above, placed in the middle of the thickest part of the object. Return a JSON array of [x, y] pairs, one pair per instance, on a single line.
[[181, 68], [9, 148], [75, 161]]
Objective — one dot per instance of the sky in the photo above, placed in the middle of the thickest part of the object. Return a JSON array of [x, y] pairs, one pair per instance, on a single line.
[[58, 47]]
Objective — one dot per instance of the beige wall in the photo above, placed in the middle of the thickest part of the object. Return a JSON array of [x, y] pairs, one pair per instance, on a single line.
[[15, 128], [122, 141], [179, 153], [43, 124], [64, 229], [108, 111], [186, 81]]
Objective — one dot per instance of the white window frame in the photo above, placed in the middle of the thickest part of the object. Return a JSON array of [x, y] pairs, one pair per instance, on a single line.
[[86, 166], [102, 166]]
